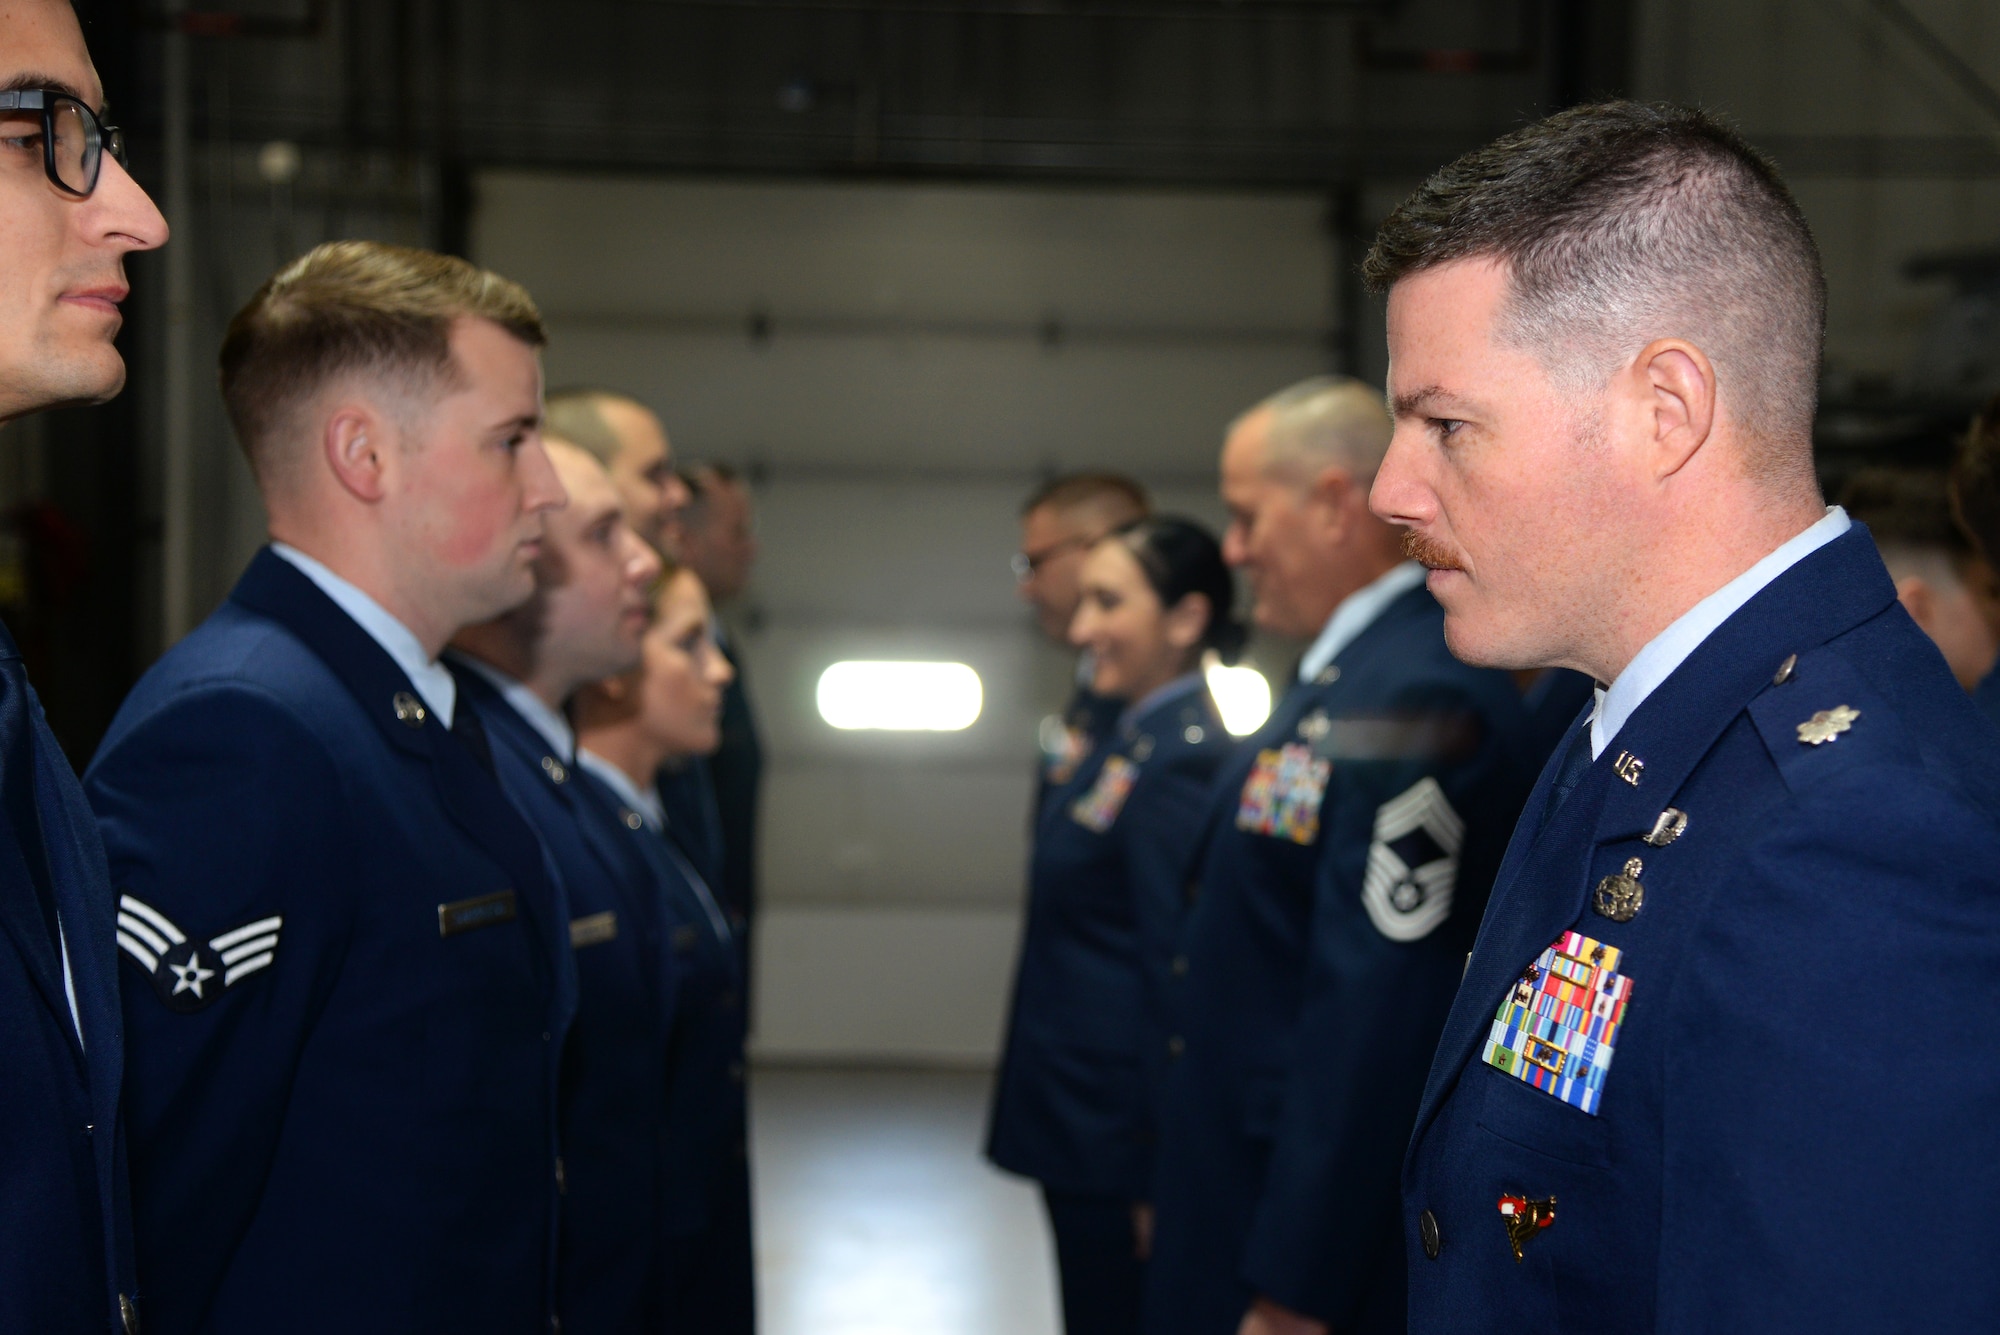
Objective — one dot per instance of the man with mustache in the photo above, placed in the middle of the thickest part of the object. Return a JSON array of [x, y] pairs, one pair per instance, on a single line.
[[1336, 889], [70, 216], [1721, 1058], [593, 584], [348, 973]]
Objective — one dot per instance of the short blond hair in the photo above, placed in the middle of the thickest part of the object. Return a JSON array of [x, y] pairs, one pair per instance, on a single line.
[[352, 306]]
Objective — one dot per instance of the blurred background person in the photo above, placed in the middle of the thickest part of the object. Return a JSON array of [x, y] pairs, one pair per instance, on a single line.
[[626, 437], [718, 542], [629, 728], [1975, 498], [592, 603], [1338, 882], [1061, 521], [349, 972], [1075, 1102], [70, 218], [1941, 580]]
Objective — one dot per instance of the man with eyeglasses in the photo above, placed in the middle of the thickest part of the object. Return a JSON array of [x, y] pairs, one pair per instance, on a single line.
[[1059, 523], [69, 215]]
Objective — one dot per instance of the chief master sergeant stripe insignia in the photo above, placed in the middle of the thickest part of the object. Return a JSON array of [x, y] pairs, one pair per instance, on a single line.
[[182, 971]]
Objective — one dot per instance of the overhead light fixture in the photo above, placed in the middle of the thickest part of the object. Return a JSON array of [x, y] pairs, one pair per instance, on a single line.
[[1241, 695], [900, 697]]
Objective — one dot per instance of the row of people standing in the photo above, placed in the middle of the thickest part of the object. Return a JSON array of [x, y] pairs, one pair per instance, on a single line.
[[365, 981], [1238, 954]]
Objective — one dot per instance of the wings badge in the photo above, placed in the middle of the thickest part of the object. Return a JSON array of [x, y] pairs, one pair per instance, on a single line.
[[187, 975]]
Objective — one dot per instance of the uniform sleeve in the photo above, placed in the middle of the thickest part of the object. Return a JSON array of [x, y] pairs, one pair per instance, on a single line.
[[222, 817], [1159, 842], [1402, 823], [1832, 1151]]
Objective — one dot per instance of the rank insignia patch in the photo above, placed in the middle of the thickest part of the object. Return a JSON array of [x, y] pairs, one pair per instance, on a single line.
[[188, 975], [1413, 863], [1098, 809], [1558, 1026], [1282, 795]]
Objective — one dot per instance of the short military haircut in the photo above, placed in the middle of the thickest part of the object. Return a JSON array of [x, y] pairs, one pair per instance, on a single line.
[[1621, 223], [355, 307], [1975, 482], [1908, 511], [578, 414], [1115, 498], [1328, 419]]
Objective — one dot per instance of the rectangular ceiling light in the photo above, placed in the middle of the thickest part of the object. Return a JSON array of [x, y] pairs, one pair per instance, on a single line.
[[901, 697]]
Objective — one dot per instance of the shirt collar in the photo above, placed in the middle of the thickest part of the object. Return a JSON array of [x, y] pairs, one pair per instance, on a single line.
[[1356, 613], [550, 723], [1158, 696], [647, 803], [431, 678], [1666, 651]]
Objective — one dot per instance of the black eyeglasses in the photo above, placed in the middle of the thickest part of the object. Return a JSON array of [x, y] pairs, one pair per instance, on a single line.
[[74, 140]]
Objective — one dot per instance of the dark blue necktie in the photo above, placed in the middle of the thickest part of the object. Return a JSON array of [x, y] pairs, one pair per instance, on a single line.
[[17, 786], [1575, 762]]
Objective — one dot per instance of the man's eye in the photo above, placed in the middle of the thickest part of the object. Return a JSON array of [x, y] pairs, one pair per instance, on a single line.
[[1446, 427], [22, 143]]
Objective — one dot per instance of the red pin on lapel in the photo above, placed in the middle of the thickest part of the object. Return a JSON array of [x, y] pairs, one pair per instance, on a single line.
[[1525, 1218]]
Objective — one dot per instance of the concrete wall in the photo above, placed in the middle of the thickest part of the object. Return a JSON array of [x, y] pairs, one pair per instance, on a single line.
[[897, 366]]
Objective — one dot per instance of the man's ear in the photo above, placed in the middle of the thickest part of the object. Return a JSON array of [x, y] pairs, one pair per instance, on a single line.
[[357, 442], [1670, 389], [1186, 620], [1329, 499]]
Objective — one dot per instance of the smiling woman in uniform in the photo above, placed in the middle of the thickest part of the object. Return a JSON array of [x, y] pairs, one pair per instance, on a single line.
[[1085, 1044]]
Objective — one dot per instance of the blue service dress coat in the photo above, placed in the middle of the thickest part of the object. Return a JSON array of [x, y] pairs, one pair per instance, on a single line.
[[705, 1175], [347, 983], [614, 1068], [65, 1219], [1724, 1056], [1345, 861], [1074, 1104], [736, 771]]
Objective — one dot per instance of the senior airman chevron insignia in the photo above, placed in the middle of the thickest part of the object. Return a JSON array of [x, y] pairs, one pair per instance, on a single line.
[[185, 973]]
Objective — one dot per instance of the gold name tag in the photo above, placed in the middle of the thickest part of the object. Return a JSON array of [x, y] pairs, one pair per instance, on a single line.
[[593, 930], [465, 915]]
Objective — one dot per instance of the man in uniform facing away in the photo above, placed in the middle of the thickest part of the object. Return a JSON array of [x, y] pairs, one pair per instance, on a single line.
[[1061, 522], [1722, 1058], [347, 971], [1333, 895], [68, 217], [591, 605]]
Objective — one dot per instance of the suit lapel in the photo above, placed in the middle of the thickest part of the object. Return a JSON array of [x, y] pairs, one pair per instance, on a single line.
[[471, 797]]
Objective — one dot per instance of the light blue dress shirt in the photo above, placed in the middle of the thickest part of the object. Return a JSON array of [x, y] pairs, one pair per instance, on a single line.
[[1670, 648]]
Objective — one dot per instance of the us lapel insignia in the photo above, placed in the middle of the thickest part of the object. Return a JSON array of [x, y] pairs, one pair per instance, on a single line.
[[188, 975], [1619, 897], [1525, 1218], [1629, 767], [1826, 725]]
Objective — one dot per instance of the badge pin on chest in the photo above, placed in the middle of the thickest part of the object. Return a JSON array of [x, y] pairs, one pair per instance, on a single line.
[[1525, 1219], [1619, 896]]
